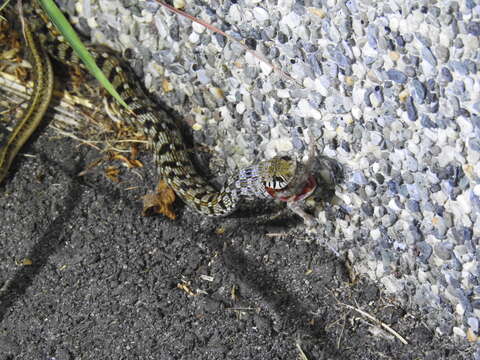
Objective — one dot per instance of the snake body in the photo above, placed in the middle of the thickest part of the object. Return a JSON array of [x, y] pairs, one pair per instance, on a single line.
[[38, 104], [170, 153]]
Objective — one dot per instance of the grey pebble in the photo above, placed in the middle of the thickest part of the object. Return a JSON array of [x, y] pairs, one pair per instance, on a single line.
[[471, 66], [473, 28], [420, 92], [470, 4], [413, 206], [476, 107], [428, 56], [442, 53], [410, 71], [359, 178], [426, 122], [442, 251], [367, 209], [372, 35], [397, 76], [378, 93], [315, 64], [411, 164], [221, 40], [431, 84], [426, 42], [415, 191], [389, 219], [459, 67], [473, 323], [411, 110], [474, 144], [403, 190], [376, 138], [458, 88], [425, 251], [446, 74], [458, 43]]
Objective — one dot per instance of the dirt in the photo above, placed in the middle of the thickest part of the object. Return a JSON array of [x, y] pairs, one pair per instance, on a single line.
[[85, 276]]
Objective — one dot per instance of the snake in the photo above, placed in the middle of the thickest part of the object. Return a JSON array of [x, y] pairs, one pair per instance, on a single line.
[[171, 155], [43, 80]]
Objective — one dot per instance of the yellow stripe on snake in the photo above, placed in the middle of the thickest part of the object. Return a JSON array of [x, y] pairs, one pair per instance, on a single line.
[[170, 153]]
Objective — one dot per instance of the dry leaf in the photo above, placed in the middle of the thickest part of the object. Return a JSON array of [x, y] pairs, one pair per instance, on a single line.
[[25, 262], [160, 202], [131, 163], [185, 288], [90, 166], [112, 173], [134, 152]]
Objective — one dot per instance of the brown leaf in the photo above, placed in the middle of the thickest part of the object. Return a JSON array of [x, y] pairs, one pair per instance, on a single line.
[[112, 173], [160, 202], [90, 166], [131, 163]]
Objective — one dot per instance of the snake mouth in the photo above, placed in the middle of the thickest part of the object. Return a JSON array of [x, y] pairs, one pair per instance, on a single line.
[[306, 191]]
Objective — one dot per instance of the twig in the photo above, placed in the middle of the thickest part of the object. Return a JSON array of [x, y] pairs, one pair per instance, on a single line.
[[378, 322], [303, 356], [280, 234], [240, 309], [341, 332]]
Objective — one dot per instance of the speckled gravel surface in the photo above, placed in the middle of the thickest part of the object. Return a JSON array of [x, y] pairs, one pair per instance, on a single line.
[[391, 90]]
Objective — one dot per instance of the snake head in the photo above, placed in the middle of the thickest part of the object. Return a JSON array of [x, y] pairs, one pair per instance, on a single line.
[[284, 180], [278, 172]]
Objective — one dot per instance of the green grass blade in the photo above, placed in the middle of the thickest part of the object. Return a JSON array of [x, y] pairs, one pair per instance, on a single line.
[[4, 5], [67, 31]]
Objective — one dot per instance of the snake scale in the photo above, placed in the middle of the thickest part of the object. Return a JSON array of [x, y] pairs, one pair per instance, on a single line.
[[170, 153]]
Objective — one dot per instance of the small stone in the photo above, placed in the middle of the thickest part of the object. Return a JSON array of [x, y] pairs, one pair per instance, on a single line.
[[419, 91], [203, 77], [410, 71], [459, 332], [394, 55], [446, 74], [376, 138], [179, 4], [367, 209], [282, 38], [292, 20], [474, 144], [425, 251], [442, 251], [411, 110], [397, 76], [470, 4], [473, 323], [427, 123], [473, 27], [459, 67], [413, 205], [318, 12], [260, 14], [359, 178], [471, 66], [428, 56], [442, 53]]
